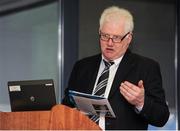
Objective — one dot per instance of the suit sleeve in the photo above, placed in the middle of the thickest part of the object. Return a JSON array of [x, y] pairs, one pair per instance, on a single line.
[[155, 109], [71, 84]]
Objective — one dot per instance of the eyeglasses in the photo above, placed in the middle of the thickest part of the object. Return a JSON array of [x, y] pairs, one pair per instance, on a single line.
[[114, 38]]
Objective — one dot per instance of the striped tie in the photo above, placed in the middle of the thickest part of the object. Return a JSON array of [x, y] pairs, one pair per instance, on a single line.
[[101, 85], [103, 79]]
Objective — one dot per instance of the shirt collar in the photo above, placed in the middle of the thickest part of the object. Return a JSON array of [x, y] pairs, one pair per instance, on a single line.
[[116, 61]]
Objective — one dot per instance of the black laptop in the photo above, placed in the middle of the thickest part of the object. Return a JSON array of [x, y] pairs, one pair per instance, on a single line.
[[31, 95]]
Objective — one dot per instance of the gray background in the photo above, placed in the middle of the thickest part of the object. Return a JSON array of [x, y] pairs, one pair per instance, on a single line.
[[28, 48]]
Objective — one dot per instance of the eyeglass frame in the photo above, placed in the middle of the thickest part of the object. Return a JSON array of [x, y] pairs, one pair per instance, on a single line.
[[100, 35]]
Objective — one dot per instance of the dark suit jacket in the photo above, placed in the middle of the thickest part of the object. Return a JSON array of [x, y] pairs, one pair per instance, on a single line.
[[132, 68]]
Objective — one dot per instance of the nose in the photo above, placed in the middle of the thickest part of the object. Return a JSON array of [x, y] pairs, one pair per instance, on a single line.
[[110, 42]]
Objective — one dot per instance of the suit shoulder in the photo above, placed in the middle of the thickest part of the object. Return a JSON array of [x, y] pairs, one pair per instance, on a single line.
[[89, 60], [87, 63], [144, 60]]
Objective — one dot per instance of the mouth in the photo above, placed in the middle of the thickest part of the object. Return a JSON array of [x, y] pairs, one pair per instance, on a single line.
[[109, 49]]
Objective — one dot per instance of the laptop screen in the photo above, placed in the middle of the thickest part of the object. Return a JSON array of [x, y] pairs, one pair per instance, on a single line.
[[31, 95]]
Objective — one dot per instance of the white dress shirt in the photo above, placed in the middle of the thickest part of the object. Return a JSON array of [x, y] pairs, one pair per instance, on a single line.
[[112, 72]]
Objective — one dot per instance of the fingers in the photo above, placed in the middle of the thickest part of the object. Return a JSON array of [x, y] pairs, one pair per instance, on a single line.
[[134, 94], [129, 88], [140, 84], [128, 96]]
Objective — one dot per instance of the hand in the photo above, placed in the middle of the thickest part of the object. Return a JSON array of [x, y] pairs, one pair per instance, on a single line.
[[132, 93]]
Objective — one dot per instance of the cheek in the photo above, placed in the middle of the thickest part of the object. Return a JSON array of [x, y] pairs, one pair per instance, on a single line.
[[121, 49], [102, 45], [125, 46], [118, 50]]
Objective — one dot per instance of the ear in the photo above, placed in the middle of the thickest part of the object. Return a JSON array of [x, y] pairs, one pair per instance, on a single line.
[[129, 37]]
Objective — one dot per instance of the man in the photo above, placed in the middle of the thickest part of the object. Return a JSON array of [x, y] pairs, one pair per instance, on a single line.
[[134, 83]]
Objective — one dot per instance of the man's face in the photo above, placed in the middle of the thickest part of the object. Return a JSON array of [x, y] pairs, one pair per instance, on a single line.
[[113, 49]]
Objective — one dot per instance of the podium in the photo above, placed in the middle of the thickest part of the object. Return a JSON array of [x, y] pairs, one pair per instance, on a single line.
[[60, 117]]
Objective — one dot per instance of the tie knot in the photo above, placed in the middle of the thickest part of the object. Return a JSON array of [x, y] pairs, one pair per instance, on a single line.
[[108, 64]]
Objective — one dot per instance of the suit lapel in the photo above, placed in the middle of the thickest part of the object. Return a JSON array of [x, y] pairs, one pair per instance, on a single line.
[[93, 74], [124, 68]]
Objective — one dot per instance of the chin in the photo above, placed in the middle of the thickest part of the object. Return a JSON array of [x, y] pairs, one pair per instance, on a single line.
[[109, 57]]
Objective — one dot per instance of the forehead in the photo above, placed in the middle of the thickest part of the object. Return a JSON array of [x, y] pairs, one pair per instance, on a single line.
[[113, 27]]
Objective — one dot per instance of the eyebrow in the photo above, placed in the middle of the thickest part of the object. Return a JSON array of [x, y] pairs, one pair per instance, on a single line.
[[123, 36]]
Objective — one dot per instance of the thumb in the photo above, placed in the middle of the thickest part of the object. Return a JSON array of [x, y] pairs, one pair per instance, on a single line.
[[140, 84]]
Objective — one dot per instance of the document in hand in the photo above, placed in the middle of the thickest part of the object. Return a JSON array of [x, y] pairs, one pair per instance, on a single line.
[[91, 104]]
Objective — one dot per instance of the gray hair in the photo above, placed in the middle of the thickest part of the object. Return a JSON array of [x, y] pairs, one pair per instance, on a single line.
[[115, 14]]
